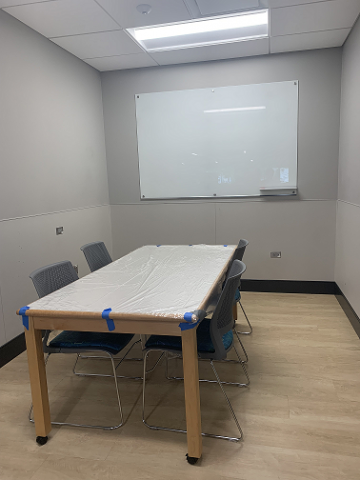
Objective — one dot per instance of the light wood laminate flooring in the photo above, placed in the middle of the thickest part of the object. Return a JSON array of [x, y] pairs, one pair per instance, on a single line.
[[300, 415]]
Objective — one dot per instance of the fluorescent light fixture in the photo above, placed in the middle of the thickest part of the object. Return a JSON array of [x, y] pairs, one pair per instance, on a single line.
[[209, 31], [240, 109]]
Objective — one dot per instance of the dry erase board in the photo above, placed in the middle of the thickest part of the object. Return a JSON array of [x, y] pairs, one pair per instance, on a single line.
[[218, 142]]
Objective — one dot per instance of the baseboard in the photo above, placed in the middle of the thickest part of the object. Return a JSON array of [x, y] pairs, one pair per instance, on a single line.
[[288, 286], [349, 311], [12, 349]]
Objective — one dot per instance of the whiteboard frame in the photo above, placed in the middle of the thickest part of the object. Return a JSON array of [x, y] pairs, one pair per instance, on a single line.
[[277, 192]]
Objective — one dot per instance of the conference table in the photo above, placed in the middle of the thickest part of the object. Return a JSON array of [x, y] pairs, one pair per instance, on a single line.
[[161, 290]]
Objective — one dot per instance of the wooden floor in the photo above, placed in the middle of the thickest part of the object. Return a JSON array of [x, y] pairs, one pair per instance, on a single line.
[[300, 416]]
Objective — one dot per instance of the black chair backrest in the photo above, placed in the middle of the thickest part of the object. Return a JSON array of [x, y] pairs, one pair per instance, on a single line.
[[97, 255], [240, 249], [222, 320], [52, 277]]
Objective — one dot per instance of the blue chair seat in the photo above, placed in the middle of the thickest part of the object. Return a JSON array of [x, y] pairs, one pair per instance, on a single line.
[[204, 343], [237, 296], [109, 342]]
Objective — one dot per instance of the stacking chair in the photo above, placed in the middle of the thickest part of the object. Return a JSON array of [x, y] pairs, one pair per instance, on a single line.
[[53, 277], [238, 255], [96, 254], [214, 341]]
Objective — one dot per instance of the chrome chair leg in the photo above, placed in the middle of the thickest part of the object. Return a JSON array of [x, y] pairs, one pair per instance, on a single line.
[[242, 346], [244, 369], [103, 357], [93, 426], [239, 361], [248, 322], [228, 402], [79, 374], [154, 427]]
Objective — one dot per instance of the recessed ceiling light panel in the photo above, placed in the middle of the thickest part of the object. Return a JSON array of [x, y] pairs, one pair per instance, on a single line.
[[210, 31]]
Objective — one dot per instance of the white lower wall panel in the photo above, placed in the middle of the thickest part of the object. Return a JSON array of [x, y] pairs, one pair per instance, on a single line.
[[29, 243], [347, 265], [171, 224], [304, 232]]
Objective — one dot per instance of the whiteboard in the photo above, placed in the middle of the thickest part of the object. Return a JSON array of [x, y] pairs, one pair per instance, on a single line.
[[218, 142]]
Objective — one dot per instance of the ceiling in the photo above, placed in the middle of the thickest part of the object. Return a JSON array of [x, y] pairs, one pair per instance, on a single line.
[[94, 30]]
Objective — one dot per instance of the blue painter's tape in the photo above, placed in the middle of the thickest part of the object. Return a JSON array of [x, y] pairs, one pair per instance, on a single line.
[[189, 323], [158, 245], [188, 317], [225, 245], [110, 323], [25, 318], [188, 326]]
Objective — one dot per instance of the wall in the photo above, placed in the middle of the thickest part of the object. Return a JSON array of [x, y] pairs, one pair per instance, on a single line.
[[303, 228], [348, 208], [53, 163]]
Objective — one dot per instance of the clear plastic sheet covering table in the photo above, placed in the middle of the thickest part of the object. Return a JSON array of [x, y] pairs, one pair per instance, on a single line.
[[163, 280]]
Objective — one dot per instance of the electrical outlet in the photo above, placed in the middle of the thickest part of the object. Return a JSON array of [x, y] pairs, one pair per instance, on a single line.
[[275, 254], [59, 230]]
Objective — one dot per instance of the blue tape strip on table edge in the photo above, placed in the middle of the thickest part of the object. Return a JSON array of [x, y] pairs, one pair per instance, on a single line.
[[189, 324], [110, 323], [25, 318]]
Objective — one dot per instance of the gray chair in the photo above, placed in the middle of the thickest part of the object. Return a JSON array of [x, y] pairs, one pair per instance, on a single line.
[[214, 341], [51, 278], [96, 254], [238, 255]]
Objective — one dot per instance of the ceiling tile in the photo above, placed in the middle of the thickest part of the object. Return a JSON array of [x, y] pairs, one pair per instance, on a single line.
[[334, 14], [290, 3], [214, 52], [308, 41], [162, 11], [103, 44], [12, 3], [64, 17], [214, 7], [121, 62]]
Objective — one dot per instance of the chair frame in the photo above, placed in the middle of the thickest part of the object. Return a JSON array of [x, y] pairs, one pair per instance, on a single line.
[[113, 427], [219, 354], [52, 350], [238, 255], [85, 248], [168, 429]]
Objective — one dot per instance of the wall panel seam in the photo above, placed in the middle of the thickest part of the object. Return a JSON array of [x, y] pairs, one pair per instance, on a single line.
[[54, 213], [349, 203]]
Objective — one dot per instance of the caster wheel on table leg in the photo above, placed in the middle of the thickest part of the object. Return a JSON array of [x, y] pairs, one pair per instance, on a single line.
[[191, 460], [41, 440]]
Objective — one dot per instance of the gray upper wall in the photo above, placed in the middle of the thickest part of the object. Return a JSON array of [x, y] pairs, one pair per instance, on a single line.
[[319, 75], [349, 159], [52, 144]]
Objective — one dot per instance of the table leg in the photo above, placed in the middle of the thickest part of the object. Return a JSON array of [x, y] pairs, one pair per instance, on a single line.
[[234, 311], [38, 383], [192, 394]]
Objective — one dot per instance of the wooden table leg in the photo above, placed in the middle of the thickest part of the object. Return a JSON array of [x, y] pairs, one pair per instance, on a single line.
[[38, 382], [234, 311], [192, 393]]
